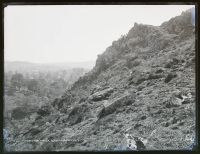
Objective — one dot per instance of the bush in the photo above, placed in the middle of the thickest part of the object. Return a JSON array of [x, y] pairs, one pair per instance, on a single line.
[[11, 91], [19, 113], [169, 77], [131, 64], [154, 76], [44, 110]]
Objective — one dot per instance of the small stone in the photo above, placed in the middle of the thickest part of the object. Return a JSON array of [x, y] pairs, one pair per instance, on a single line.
[[174, 120], [166, 124], [181, 124], [143, 117], [137, 125], [186, 101], [175, 127], [95, 133], [159, 71]]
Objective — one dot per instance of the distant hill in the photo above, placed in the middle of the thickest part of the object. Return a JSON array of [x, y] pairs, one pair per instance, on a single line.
[[21, 66]]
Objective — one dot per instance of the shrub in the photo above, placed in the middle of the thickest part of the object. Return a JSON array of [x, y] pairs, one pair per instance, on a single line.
[[154, 76], [19, 113], [169, 77]]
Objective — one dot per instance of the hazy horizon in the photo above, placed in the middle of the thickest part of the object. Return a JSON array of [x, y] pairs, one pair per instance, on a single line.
[[19, 61], [73, 33], [21, 66]]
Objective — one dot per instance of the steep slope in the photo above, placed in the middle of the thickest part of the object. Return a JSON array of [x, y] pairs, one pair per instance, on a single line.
[[142, 85]]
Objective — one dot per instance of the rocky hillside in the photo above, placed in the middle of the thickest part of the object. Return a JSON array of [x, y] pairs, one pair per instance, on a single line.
[[139, 96]]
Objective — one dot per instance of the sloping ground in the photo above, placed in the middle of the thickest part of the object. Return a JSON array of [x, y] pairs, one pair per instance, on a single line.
[[142, 85]]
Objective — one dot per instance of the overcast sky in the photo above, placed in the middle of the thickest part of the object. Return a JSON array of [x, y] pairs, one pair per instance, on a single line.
[[76, 33]]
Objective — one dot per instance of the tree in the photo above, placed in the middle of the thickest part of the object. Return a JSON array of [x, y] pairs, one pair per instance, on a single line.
[[42, 87], [32, 85], [17, 80], [6, 80], [10, 91]]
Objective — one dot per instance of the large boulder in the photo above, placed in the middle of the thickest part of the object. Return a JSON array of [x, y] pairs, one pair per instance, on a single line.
[[77, 114], [110, 107], [101, 95]]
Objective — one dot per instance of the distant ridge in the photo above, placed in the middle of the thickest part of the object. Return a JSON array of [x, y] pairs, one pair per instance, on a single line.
[[29, 66]]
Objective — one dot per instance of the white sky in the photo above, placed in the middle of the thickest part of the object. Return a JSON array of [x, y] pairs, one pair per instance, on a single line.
[[64, 33]]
